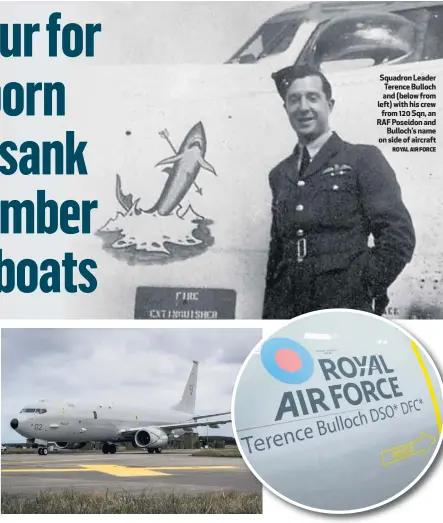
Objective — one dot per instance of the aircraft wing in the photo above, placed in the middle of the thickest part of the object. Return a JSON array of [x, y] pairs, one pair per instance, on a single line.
[[211, 415], [129, 432], [193, 424]]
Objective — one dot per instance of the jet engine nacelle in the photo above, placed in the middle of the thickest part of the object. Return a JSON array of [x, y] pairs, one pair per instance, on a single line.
[[150, 438], [68, 445]]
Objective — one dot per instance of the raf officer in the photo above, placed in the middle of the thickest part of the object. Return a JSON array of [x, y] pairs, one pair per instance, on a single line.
[[328, 197]]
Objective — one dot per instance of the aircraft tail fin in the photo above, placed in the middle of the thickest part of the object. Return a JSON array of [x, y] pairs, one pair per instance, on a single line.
[[187, 403]]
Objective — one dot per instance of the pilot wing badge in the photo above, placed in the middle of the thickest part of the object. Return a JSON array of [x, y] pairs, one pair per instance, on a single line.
[[174, 227]]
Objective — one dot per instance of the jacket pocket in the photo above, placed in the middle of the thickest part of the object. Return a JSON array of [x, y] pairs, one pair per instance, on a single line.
[[336, 200]]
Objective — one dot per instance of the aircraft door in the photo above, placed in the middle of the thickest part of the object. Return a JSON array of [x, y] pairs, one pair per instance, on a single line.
[[86, 426]]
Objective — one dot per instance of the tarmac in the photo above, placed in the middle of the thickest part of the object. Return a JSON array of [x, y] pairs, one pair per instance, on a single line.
[[134, 472]]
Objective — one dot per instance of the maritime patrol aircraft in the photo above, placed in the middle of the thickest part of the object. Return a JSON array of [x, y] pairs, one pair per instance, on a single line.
[[71, 425]]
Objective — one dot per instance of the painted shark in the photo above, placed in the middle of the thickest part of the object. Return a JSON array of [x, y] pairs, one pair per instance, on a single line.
[[186, 164]]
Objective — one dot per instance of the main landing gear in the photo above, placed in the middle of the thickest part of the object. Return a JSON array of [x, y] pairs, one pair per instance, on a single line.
[[109, 448], [42, 451], [151, 451]]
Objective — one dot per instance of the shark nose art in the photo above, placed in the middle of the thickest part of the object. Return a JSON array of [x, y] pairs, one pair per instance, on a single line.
[[14, 423]]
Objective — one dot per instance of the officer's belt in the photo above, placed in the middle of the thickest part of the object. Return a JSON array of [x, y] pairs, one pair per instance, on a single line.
[[332, 246]]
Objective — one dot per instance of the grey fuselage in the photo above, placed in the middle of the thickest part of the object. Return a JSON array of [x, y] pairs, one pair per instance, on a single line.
[[72, 422]]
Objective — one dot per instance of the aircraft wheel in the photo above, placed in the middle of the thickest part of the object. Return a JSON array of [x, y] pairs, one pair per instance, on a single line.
[[158, 451], [112, 449], [44, 452], [105, 449], [151, 451], [39, 451]]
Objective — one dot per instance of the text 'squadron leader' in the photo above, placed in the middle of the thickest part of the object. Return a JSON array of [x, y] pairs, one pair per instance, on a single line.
[[339, 411]]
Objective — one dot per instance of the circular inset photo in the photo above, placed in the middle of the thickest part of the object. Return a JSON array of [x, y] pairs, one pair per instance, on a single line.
[[340, 411]]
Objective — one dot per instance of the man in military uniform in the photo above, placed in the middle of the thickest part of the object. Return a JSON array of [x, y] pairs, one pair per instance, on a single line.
[[328, 197]]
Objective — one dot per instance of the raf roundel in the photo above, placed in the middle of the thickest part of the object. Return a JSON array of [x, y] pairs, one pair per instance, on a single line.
[[287, 360]]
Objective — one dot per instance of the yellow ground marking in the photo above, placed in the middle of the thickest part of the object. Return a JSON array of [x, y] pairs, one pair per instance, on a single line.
[[194, 467], [406, 450], [123, 471], [430, 386]]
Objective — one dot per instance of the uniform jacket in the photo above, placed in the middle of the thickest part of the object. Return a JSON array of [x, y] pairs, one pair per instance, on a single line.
[[324, 220]]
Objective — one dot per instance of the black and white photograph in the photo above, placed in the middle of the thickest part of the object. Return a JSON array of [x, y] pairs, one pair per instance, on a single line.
[[117, 420], [246, 160]]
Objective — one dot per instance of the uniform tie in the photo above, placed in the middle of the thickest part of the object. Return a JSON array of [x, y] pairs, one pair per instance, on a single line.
[[304, 162]]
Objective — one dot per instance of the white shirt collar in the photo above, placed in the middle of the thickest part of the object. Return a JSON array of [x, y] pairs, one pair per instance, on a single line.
[[315, 146]]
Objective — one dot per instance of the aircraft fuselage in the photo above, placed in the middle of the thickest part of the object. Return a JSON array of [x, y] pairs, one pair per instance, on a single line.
[[83, 424]]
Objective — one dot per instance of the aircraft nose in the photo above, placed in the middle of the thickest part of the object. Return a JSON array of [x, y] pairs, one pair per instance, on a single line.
[[14, 423]]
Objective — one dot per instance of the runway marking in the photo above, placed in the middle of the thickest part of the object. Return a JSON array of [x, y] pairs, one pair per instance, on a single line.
[[194, 467], [124, 471], [121, 471], [80, 458]]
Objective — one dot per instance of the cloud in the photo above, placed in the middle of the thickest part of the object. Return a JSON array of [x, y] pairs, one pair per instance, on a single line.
[[125, 366]]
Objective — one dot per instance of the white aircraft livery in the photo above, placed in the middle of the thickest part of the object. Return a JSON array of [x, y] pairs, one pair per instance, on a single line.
[[70, 425], [339, 411]]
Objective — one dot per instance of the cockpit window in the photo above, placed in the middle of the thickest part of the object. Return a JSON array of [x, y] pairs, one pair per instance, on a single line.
[[33, 411], [433, 45], [272, 38], [362, 40], [355, 40]]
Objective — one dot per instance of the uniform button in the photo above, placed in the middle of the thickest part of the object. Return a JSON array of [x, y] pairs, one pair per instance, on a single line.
[[301, 183], [335, 188], [300, 232], [299, 208]]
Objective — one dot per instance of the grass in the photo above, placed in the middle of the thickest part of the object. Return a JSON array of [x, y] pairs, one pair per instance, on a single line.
[[71, 502], [218, 453]]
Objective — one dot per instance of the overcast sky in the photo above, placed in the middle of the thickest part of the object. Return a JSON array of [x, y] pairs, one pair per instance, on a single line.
[[155, 32], [138, 366]]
